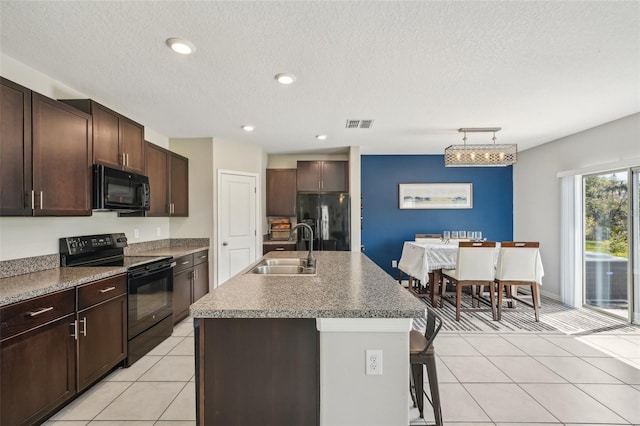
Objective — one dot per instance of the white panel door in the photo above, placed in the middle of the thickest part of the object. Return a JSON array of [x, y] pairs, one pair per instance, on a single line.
[[237, 224]]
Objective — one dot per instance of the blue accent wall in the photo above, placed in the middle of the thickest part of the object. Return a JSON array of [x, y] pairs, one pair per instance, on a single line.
[[385, 227]]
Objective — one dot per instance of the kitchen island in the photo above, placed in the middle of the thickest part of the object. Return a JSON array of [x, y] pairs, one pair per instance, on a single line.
[[292, 349]]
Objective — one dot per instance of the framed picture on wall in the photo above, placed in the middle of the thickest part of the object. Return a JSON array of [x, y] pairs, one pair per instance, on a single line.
[[435, 195]]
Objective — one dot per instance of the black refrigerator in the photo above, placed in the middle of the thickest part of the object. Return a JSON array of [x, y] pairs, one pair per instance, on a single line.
[[329, 217]]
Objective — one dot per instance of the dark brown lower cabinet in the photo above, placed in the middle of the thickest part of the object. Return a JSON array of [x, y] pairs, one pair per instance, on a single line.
[[102, 328], [181, 294], [38, 372], [53, 347], [257, 371], [200, 280], [190, 282], [102, 340]]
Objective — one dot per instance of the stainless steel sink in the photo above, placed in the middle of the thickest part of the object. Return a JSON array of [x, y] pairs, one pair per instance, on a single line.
[[293, 261], [283, 266]]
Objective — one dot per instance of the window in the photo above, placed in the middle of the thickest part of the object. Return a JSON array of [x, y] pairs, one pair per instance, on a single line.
[[606, 242]]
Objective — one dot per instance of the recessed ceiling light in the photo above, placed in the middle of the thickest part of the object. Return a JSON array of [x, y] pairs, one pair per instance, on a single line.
[[321, 137], [285, 78], [182, 46], [248, 128]]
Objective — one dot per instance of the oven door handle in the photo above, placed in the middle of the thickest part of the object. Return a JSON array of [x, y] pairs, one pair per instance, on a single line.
[[146, 272]]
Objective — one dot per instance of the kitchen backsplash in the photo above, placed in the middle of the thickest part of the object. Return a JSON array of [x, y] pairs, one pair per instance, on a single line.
[[26, 265]]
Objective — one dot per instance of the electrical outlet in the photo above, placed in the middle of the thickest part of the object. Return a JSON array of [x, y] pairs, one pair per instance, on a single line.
[[394, 263], [374, 362], [136, 233], [158, 231]]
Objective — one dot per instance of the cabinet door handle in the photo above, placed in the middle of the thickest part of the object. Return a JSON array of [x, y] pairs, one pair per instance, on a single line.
[[279, 248], [195, 274], [225, 244], [202, 257], [127, 159], [123, 160], [74, 324], [186, 262], [33, 199], [105, 290], [84, 328], [40, 311], [41, 200]]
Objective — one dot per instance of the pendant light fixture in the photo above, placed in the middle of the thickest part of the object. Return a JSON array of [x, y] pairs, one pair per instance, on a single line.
[[480, 155]]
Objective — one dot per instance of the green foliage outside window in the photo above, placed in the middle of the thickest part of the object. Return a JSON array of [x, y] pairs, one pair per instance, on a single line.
[[606, 210]]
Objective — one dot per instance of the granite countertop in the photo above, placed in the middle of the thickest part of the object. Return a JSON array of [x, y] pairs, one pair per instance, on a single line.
[[27, 286], [36, 276], [171, 251], [347, 285]]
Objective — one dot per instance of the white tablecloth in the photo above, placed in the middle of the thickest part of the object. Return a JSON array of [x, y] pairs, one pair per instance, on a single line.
[[418, 259]]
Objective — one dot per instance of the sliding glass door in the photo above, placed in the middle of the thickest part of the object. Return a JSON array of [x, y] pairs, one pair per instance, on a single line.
[[635, 245], [606, 245]]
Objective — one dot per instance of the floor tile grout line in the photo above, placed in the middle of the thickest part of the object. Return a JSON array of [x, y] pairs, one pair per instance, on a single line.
[[112, 401], [540, 403], [601, 348], [477, 403], [586, 359], [534, 359], [172, 401], [496, 335], [589, 396], [586, 383]]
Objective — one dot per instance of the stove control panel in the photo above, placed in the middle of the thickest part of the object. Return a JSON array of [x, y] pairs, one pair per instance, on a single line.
[[91, 243]]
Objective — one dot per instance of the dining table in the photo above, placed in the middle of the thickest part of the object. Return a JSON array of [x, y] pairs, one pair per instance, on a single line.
[[425, 260]]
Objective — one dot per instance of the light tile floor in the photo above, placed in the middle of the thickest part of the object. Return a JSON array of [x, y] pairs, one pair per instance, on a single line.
[[522, 379], [159, 390], [537, 379]]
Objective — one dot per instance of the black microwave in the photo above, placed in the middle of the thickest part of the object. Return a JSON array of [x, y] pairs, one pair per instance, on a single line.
[[119, 190]]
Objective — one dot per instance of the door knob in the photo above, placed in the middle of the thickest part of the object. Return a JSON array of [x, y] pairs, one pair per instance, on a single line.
[[225, 243]]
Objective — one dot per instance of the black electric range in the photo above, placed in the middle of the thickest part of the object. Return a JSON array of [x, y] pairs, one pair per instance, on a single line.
[[149, 286]]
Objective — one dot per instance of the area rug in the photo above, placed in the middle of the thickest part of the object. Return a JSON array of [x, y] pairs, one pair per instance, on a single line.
[[555, 318]]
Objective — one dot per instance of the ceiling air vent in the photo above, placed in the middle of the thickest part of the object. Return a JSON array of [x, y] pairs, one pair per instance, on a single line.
[[359, 124]]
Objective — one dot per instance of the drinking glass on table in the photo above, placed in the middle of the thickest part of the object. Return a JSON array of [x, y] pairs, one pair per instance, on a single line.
[[446, 235], [462, 234], [454, 234], [478, 235]]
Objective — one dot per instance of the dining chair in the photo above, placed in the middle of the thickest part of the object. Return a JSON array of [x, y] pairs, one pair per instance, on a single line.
[[422, 354], [518, 265], [414, 283], [474, 267]]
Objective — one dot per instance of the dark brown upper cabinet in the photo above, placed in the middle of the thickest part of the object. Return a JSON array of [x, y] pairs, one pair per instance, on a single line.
[[323, 176], [46, 156], [179, 185], [169, 180], [61, 159], [158, 172], [15, 149], [281, 192], [118, 141]]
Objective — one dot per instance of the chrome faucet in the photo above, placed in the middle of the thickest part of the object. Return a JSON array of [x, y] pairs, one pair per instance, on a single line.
[[311, 261]]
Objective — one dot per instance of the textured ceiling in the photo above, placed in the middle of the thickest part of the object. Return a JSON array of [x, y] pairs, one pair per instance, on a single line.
[[538, 69]]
